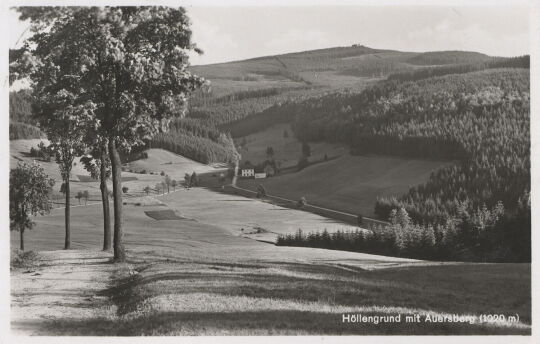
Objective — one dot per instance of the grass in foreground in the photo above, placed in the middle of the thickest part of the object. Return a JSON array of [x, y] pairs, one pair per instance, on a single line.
[[300, 299]]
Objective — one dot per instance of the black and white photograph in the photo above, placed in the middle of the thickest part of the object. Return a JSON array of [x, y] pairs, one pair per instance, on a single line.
[[293, 171]]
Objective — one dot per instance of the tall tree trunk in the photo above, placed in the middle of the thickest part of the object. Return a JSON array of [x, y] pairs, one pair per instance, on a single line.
[[21, 233], [67, 242], [118, 245], [105, 201]]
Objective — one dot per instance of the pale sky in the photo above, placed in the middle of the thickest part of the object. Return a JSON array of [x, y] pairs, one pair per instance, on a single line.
[[233, 33]]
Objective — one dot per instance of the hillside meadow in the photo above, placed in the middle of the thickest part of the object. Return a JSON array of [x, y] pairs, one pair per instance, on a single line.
[[349, 183], [187, 274], [287, 148]]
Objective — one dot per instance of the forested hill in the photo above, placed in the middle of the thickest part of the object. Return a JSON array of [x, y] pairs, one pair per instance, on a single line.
[[246, 96], [480, 119], [189, 137]]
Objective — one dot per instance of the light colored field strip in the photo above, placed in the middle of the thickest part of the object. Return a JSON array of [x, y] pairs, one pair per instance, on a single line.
[[206, 302], [314, 206], [77, 206]]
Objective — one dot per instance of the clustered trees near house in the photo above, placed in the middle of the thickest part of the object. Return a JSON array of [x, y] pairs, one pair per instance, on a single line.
[[191, 180], [119, 70]]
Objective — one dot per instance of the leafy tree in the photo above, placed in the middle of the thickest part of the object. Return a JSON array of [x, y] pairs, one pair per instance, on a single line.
[[147, 189], [261, 191], [63, 188], [301, 202], [174, 184], [79, 196], [65, 125], [269, 152], [163, 186], [29, 190], [187, 180], [194, 179], [86, 195], [158, 187], [168, 182], [97, 163], [128, 62], [359, 219]]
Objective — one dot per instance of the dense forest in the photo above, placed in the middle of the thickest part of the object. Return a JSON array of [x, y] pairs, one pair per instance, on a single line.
[[22, 125], [428, 72], [197, 140], [193, 138], [485, 235], [481, 120], [447, 57]]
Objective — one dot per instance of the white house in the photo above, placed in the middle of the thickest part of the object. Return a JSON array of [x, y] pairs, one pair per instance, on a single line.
[[247, 172], [260, 175]]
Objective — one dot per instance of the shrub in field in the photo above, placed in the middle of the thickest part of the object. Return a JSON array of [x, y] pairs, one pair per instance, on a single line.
[[301, 202], [168, 182], [194, 179], [79, 196], [125, 189], [261, 191], [24, 259]]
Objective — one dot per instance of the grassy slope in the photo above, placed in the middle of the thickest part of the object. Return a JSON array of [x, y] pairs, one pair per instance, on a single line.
[[349, 183], [332, 67], [174, 165], [287, 150], [217, 281], [158, 161], [199, 296]]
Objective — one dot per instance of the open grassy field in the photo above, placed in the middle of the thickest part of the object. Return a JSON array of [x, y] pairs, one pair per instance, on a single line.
[[349, 183], [202, 275], [199, 262], [159, 160], [287, 150], [151, 295]]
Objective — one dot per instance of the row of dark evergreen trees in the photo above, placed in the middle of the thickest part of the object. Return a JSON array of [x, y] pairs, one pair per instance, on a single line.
[[485, 235]]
